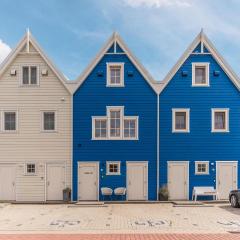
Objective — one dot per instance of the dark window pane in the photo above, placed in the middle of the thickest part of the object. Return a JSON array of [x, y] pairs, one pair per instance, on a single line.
[[25, 75], [180, 120], [33, 75], [10, 121], [49, 121], [200, 75]]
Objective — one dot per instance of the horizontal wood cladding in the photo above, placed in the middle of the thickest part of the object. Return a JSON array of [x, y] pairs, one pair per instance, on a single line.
[[200, 144], [138, 99], [30, 143]]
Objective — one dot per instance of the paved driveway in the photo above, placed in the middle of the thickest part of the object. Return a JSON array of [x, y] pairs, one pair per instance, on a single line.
[[118, 218]]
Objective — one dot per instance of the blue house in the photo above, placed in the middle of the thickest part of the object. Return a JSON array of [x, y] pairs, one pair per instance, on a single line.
[[199, 123], [115, 127]]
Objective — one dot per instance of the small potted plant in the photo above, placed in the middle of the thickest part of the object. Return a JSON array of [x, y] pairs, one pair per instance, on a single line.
[[67, 194], [163, 193]]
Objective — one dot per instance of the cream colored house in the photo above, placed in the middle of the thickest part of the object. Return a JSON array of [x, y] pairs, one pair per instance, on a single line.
[[35, 129]]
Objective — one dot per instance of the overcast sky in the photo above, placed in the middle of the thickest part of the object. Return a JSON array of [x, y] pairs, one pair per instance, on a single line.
[[157, 31]]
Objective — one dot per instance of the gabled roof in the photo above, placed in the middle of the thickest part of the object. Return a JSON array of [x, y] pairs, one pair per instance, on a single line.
[[26, 41], [115, 39], [205, 44]]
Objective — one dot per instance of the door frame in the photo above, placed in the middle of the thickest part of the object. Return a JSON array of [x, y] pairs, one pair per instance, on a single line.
[[217, 171], [132, 162], [97, 167], [15, 187], [46, 176], [187, 177]]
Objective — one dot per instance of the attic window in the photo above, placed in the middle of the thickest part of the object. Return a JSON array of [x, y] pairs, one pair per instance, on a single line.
[[200, 74], [29, 75], [115, 74]]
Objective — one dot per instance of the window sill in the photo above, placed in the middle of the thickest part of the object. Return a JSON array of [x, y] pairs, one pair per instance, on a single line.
[[9, 131], [200, 85], [180, 131], [115, 86], [220, 131], [29, 86], [113, 174], [199, 174], [49, 131]]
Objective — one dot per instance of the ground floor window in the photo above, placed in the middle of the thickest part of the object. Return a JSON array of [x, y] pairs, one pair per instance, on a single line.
[[113, 168], [201, 167]]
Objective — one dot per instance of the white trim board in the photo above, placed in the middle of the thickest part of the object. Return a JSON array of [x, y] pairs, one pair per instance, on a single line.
[[203, 39]]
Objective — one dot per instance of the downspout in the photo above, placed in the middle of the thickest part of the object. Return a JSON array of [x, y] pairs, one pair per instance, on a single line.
[[158, 164]]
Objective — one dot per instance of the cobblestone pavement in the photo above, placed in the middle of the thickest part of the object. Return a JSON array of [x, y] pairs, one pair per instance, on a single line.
[[119, 218]]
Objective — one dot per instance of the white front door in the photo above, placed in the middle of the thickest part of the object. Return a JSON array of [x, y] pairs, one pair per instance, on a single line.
[[226, 178], [88, 175], [137, 181], [7, 182], [55, 181], [178, 180]]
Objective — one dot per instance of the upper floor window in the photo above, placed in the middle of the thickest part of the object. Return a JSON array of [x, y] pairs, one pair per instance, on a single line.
[[220, 120], [49, 121], [202, 167], [115, 74], [115, 126], [29, 75], [100, 128], [115, 122], [10, 121], [180, 120], [200, 74], [130, 127]]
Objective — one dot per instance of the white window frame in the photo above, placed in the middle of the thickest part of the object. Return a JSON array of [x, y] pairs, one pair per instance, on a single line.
[[200, 64], [226, 111], [115, 108], [112, 64], [136, 122], [42, 121], [196, 168], [21, 76], [3, 121], [26, 172], [113, 162], [93, 128], [185, 110]]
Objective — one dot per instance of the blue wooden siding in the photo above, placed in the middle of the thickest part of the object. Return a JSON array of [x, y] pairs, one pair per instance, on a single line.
[[200, 144], [138, 99]]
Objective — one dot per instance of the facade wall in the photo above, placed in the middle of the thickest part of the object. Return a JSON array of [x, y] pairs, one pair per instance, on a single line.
[[30, 143], [200, 144], [138, 99]]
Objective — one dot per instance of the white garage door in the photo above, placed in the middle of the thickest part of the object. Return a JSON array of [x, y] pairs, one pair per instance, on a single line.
[[55, 181], [7, 182], [88, 181], [226, 178], [137, 180], [178, 180]]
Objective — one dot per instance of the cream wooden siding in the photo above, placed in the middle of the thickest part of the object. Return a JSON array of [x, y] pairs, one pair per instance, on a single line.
[[29, 143]]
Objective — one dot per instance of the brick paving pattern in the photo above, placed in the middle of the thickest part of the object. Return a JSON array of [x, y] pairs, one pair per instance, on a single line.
[[121, 237]]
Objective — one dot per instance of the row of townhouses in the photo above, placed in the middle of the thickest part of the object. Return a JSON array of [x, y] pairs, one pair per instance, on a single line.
[[115, 126]]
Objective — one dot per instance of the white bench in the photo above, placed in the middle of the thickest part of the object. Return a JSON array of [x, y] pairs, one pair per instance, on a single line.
[[204, 191]]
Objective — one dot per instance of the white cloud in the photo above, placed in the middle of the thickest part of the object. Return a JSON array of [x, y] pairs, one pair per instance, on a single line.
[[158, 3], [4, 50]]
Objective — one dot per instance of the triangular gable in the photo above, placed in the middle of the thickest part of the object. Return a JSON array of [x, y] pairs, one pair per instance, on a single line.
[[28, 44], [120, 47], [207, 47], [115, 48]]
